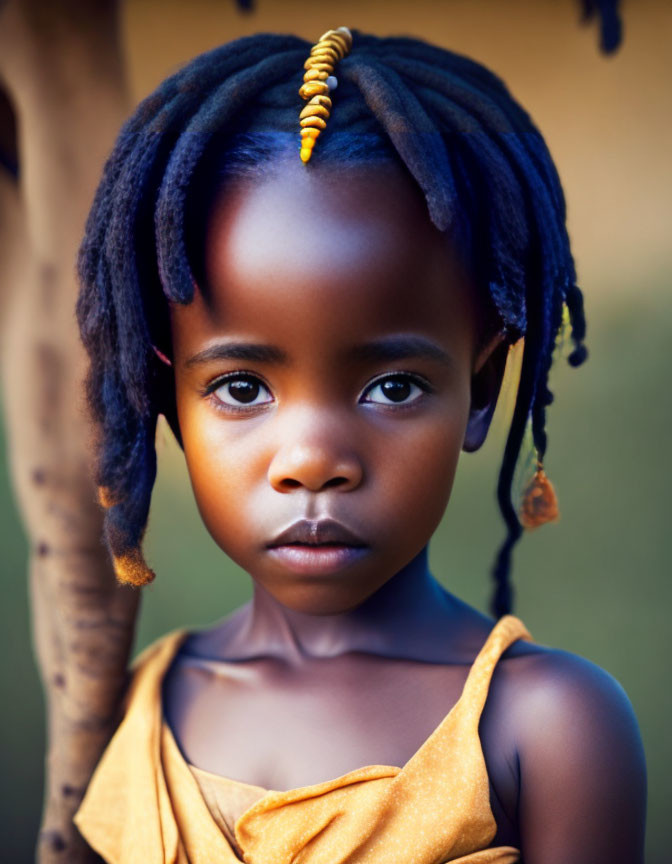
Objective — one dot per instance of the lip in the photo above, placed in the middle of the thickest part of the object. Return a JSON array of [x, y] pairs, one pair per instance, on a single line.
[[317, 560], [317, 532], [317, 547]]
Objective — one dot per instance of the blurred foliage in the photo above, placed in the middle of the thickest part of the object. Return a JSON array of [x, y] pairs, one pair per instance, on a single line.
[[596, 583]]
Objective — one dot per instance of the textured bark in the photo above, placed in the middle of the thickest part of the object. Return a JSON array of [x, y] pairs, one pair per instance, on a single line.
[[61, 67]]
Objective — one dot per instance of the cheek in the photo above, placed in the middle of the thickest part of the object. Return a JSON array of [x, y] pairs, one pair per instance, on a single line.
[[419, 476], [223, 469]]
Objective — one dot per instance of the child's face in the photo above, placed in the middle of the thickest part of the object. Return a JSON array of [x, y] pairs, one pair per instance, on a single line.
[[325, 372]]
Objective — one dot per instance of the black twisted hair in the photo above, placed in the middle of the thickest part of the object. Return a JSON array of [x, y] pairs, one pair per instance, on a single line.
[[482, 165], [611, 26]]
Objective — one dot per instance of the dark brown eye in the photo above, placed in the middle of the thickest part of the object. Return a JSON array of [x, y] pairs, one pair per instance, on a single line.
[[395, 389], [242, 390]]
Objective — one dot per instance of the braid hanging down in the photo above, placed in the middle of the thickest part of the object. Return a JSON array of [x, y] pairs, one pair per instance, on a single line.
[[481, 164]]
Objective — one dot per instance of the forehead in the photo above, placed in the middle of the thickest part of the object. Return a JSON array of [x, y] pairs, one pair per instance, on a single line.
[[333, 248]]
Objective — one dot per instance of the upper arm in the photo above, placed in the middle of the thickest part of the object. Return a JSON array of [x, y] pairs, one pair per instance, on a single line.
[[582, 770]]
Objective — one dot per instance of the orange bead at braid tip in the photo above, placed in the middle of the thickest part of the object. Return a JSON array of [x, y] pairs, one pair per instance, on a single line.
[[105, 497], [318, 82], [540, 503], [131, 567]]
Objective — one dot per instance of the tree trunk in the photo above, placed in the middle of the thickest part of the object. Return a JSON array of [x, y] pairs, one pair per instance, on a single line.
[[61, 68]]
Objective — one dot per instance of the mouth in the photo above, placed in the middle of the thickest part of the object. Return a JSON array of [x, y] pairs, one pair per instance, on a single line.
[[317, 532], [318, 547]]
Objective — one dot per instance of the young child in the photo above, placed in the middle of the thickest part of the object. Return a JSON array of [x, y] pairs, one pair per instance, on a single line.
[[325, 330]]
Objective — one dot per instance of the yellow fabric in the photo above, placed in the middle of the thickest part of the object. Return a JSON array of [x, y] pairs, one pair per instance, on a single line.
[[145, 806], [227, 800]]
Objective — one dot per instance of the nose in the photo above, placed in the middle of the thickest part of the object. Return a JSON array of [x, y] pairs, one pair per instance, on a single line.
[[314, 460]]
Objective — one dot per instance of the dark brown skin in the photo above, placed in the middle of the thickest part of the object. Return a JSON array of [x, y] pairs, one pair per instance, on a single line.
[[335, 663]]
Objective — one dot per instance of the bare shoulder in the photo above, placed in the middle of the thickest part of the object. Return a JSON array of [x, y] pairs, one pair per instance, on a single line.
[[553, 697], [579, 758], [559, 683]]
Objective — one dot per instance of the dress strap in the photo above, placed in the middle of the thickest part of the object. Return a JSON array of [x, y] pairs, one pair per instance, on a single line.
[[461, 722], [450, 767], [506, 631]]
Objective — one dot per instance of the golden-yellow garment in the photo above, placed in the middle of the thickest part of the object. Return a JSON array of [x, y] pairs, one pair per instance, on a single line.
[[146, 805]]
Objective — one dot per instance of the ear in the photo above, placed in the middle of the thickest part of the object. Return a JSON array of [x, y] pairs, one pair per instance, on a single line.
[[486, 382], [165, 384], [171, 417]]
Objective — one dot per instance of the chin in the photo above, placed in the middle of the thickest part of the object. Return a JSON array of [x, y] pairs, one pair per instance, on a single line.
[[314, 599]]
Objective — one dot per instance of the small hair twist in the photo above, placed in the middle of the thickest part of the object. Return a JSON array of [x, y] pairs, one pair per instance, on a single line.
[[318, 81]]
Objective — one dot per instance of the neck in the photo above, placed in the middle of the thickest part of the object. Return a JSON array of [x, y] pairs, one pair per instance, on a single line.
[[406, 616]]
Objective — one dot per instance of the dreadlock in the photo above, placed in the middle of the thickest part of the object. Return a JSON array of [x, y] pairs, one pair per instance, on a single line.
[[483, 167], [611, 26]]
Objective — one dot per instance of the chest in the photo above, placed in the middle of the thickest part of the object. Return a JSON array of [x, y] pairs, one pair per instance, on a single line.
[[269, 725], [279, 727]]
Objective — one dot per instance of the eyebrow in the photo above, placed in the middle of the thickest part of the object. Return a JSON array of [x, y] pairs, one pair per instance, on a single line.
[[402, 348], [382, 350], [249, 351]]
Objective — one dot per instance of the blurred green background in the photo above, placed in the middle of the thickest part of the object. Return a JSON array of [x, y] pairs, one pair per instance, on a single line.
[[596, 583]]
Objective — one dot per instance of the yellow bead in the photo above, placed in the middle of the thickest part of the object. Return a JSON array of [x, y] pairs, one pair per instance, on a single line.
[[318, 122], [338, 42], [340, 35], [315, 75], [314, 111], [321, 99], [326, 54], [341, 32], [309, 132], [313, 88], [318, 63], [305, 154]]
